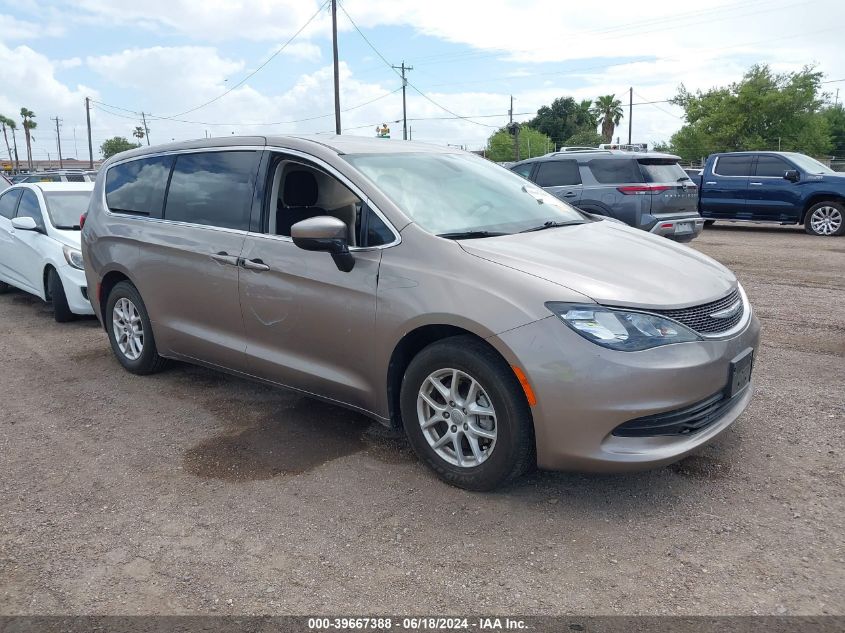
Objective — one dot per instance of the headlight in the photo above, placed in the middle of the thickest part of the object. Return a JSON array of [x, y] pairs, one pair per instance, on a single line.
[[73, 257], [621, 330]]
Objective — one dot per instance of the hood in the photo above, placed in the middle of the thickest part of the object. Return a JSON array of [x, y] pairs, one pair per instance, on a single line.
[[611, 263], [69, 238]]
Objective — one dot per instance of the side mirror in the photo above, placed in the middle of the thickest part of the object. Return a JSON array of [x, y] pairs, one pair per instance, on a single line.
[[792, 175], [25, 224], [325, 233]]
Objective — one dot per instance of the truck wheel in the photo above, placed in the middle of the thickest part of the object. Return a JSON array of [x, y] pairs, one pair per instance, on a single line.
[[826, 219]]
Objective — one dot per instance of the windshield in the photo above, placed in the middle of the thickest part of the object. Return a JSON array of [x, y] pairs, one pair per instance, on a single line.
[[460, 193], [65, 207], [810, 165]]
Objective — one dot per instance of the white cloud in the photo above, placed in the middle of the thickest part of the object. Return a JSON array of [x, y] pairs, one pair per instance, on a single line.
[[13, 29], [306, 51]]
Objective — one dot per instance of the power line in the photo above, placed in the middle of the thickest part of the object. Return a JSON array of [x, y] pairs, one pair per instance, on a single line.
[[267, 61], [413, 87]]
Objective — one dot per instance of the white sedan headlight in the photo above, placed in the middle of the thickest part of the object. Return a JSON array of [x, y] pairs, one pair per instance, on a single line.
[[73, 257]]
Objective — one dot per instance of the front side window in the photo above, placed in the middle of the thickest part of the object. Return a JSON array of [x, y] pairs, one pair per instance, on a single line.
[[457, 193], [29, 208], [771, 167], [66, 207], [213, 189], [523, 170], [615, 171], [8, 203], [733, 166], [558, 173], [137, 187]]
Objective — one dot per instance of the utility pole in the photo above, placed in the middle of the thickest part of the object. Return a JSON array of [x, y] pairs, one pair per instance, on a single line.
[[630, 112], [88, 120], [58, 140], [403, 68], [146, 129], [514, 129], [336, 70]]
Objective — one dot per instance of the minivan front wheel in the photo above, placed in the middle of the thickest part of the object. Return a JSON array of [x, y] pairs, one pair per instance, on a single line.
[[825, 218], [465, 414], [130, 333]]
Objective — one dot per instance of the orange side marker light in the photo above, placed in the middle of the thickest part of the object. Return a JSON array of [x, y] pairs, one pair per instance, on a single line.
[[526, 386]]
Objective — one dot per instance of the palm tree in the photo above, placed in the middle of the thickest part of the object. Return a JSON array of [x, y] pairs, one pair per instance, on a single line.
[[138, 133], [608, 112], [14, 127], [4, 122], [28, 125]]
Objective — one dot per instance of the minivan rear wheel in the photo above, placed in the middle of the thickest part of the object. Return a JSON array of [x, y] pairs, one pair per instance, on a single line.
[[465, 414], [130, 333]]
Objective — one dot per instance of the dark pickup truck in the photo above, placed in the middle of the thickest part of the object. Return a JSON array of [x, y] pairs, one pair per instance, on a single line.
[[783, 187]]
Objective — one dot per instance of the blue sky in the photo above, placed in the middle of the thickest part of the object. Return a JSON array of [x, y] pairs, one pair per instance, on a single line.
[[166, 57]]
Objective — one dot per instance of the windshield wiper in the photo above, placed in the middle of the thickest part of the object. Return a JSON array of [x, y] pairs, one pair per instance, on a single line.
[[551, 224], [470, 235]]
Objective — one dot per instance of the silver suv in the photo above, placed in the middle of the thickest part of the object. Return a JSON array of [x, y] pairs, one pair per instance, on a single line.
[[427, 288], [646, 190]]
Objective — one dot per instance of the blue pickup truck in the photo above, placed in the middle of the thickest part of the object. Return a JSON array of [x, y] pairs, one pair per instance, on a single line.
[[782, 187]]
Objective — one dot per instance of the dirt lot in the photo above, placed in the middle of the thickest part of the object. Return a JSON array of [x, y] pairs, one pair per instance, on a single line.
[[192, 492]]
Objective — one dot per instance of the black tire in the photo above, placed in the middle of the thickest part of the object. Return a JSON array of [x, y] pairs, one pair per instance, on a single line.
[[56, 292], [4, 287], [709, 222], [149, 362], [817, 208], [513, 453]]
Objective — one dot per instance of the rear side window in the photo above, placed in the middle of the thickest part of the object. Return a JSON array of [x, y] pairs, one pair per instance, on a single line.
[[29, 208], [8, 202], [137, 187], [771, 167], [558, 173], [615, 171], [213, 189], [75, 178], [733, 166], [662, 171], [523, 170]]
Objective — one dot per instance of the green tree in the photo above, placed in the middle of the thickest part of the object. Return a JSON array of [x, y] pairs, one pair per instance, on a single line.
[[27, 117], [6, 122], [587, 137], [116, 145], [564, 118], [501, 147], [764, 110], [139, 133], [608, 112], [835, 117]]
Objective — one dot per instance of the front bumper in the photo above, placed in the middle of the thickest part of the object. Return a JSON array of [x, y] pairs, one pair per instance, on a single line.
[[680, 229], [76, 290], [584, 392]]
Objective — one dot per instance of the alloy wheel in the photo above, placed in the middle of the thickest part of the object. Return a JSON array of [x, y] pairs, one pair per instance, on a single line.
[[826, 220], [457, 418], [128, 329]]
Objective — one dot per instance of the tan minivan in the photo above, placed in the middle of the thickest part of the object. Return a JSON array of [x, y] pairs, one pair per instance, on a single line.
[[427, 288]]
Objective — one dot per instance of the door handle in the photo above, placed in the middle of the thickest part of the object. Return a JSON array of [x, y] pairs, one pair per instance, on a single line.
[[570, 194], [254, 264], [759, 184], [224, 258]]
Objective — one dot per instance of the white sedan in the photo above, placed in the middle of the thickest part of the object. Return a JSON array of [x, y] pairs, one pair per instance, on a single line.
[[39, 244]]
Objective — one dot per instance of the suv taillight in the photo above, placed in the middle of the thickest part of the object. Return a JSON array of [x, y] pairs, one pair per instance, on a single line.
[[82, 220], [643, 190]]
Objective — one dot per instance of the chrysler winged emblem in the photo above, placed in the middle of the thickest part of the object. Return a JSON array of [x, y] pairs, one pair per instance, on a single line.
[[728, 312]]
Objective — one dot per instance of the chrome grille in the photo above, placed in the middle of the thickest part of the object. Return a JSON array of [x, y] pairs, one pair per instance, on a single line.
[[699, 319]]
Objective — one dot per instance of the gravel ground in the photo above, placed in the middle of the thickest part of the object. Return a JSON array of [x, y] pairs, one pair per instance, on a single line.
[[193, 492]]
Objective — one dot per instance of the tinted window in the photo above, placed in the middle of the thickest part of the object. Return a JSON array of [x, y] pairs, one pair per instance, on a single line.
[[137, 187], [523, 170], [75, 178], [214, 189], [29, 208], [771, 166], [662, 171], [43, 178], [558, 173], [733, 166], [377, 233], [612, 172], [8, 202]]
